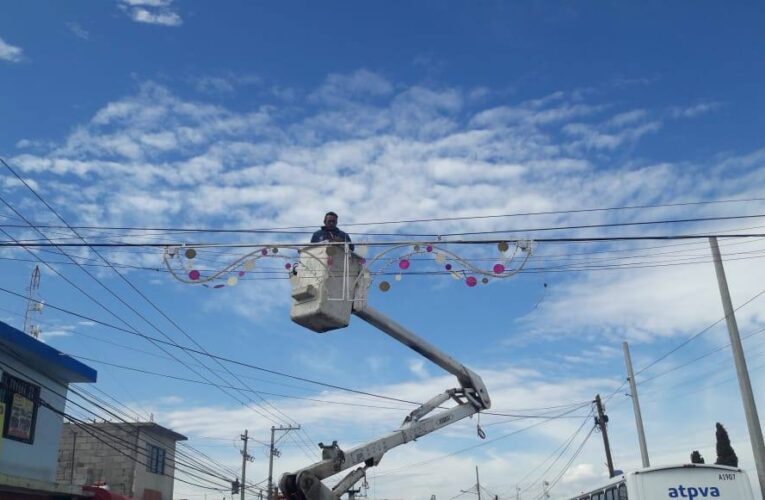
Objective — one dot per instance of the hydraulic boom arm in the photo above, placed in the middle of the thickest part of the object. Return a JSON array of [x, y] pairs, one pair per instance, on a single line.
[[324, 296]]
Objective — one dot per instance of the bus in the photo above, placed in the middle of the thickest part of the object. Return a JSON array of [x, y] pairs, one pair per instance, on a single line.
[[689, 481]]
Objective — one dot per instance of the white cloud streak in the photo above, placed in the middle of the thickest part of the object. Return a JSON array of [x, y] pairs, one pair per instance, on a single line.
[[159, 12], [10, 52]]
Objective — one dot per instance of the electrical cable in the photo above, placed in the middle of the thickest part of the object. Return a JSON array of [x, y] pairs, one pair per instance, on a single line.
[[63, 397], [134, 288], [413, 221], [695, 336], [562, 239]]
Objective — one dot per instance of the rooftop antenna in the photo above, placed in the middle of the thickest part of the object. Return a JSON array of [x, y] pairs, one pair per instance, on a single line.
[[34, 304]]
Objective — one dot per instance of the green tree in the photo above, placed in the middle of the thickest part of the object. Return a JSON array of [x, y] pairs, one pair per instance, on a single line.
[[725, 453], [696, 457]]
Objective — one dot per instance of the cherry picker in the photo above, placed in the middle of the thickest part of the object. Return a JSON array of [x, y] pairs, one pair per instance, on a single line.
[[328, 285]]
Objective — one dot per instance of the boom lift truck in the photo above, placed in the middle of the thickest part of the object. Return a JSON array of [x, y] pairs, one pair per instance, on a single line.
[[328, 285]]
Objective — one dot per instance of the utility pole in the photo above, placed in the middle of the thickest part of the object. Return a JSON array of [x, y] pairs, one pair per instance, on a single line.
[[636, 405], [271, 458], [477, 483], [245, 458], [601, 421], [750, 409]]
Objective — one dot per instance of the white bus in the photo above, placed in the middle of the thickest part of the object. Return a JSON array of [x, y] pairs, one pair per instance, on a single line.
[[691, 481]]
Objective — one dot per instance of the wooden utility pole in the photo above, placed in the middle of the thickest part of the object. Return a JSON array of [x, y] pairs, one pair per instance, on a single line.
[[601, 421]]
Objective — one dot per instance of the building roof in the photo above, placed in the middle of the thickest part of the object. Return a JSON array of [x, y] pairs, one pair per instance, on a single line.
[[151, 427], [44, 358], [158, 429]]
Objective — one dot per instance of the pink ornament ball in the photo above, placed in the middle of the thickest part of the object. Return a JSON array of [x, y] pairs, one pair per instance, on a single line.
[[403, 264], [363, 261], [499, 269], [287, 266], [264, 252], [471, 281], [241, 273], [429, 248], [194, 274]]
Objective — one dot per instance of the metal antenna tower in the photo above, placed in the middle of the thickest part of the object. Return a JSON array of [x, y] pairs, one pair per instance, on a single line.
[[34, 304]]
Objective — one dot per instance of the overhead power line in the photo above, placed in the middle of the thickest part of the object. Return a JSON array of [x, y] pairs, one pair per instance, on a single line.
[[696, 335], [263, 411], [256, 367], [93, 431], [203, 245]]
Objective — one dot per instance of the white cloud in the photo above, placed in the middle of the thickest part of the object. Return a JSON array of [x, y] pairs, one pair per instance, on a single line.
[[695, 110], [148, 3], [78, 31], [161, 18], [10, 52], [417, 367], [359, 84], [391, 154], [158, 12]]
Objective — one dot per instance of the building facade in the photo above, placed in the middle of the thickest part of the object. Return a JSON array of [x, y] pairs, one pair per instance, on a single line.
[[34, 381], [134, 459]]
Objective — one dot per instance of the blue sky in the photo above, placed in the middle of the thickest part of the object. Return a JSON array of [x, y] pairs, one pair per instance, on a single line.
[[167, 113]]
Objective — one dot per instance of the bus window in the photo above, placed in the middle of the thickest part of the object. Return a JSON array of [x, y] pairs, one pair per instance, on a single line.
[[611, 494], [622, 492]]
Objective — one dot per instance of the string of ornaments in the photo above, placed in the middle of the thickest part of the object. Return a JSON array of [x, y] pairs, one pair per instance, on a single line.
[[184, 263]]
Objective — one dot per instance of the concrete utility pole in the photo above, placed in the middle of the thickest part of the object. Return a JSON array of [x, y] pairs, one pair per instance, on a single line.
[[271, 458], [245, 458], [636, 405], [477, 483], [750, 409], [601, 421]]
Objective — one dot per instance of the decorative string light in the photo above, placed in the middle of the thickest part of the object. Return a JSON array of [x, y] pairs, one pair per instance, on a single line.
[[183, 263]]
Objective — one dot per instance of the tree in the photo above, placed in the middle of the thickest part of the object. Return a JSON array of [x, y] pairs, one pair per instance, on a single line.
[[696, 457], [725, 453]]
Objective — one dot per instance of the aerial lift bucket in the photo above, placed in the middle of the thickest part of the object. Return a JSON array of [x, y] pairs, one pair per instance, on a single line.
[[326, 283]]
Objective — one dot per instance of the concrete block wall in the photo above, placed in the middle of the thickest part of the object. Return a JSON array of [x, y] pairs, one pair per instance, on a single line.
[[123, 469], [96, 461]]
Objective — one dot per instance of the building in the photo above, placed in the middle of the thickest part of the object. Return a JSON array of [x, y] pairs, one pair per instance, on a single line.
[[33, 389], [132, 459]]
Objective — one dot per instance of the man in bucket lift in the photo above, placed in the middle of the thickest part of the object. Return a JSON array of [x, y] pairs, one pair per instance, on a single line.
[[330, 232]]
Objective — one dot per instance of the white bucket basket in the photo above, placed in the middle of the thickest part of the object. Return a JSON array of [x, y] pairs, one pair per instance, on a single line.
[[327, 284]]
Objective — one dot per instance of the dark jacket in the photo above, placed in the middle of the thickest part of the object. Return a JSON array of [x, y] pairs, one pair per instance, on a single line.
[[325, 234]]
